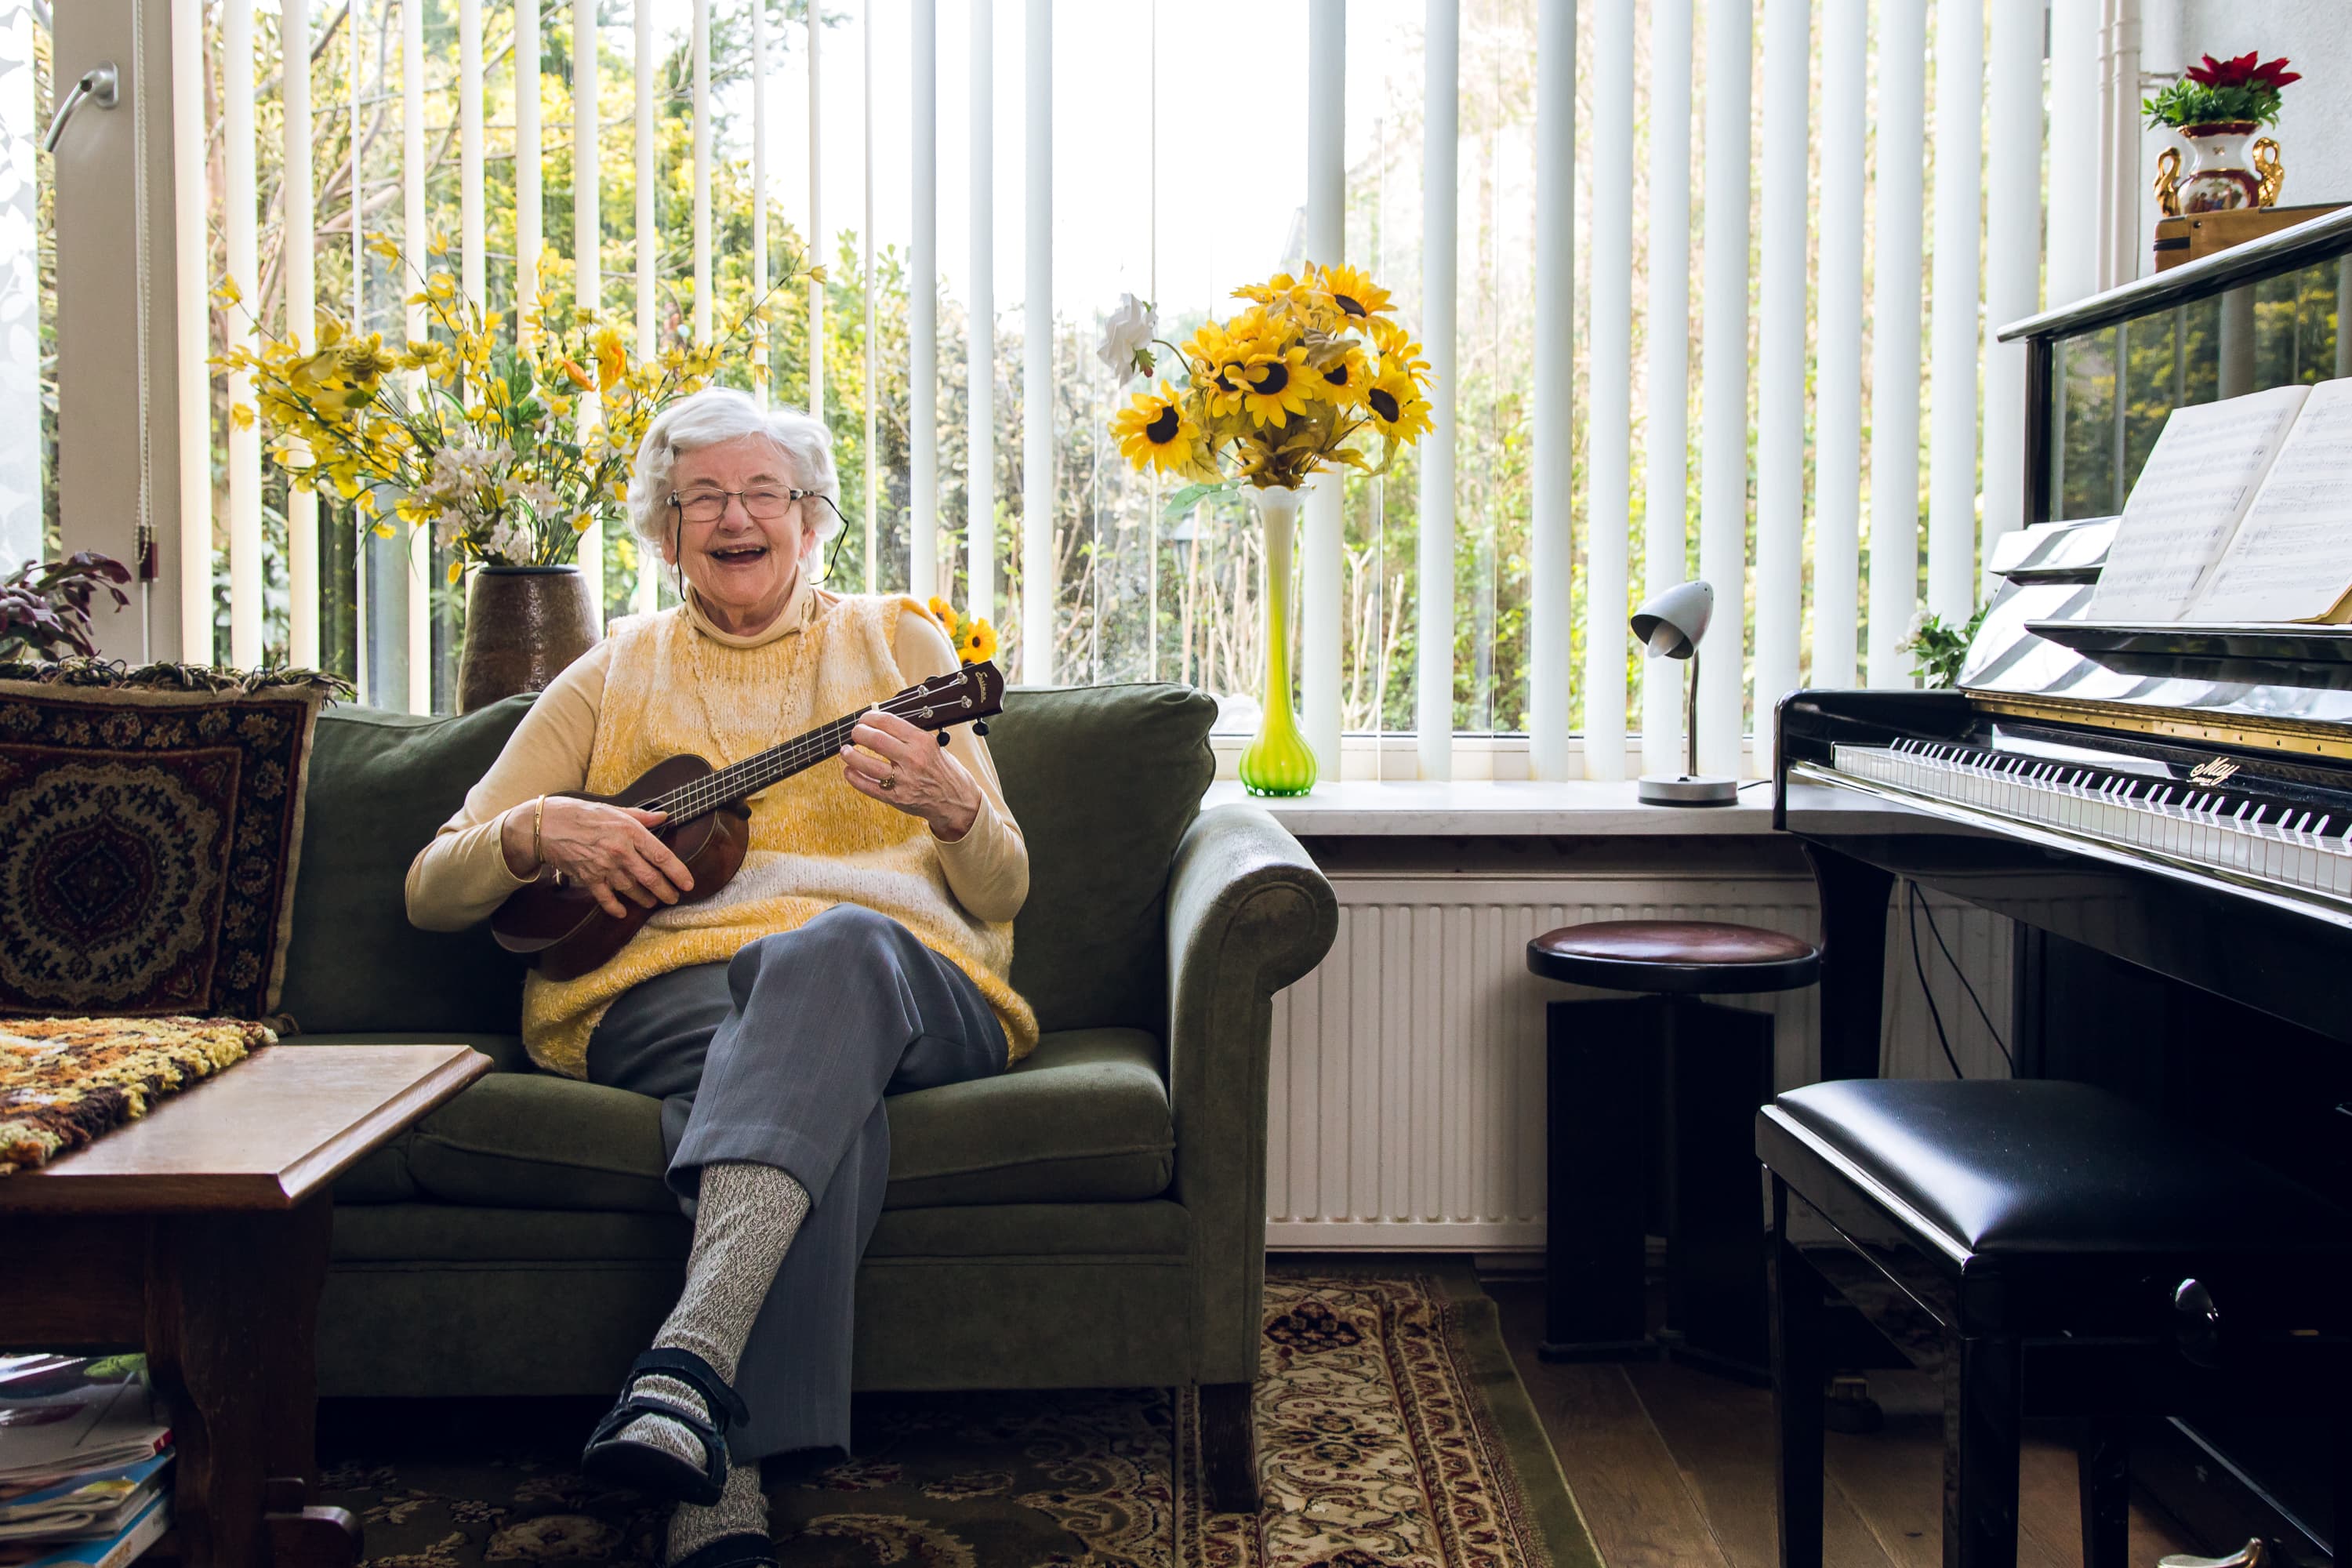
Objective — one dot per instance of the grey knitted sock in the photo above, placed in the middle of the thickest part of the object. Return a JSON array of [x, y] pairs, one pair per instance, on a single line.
[[744, 1222], [743, 1510]]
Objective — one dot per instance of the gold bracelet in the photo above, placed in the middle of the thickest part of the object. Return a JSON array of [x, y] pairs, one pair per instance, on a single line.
[[538, 858]]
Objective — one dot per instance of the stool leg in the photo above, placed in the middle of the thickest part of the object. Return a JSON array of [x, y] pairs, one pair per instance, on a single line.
[[1593, 1305], [2103, 1466], [1982, 1415], [1798, 1371], [1719, 1070]]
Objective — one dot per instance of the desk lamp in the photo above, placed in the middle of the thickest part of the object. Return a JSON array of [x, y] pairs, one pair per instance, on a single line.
[[1671, 624]]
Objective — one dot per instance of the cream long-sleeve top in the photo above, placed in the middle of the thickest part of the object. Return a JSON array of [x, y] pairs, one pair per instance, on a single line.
[[462, 875]]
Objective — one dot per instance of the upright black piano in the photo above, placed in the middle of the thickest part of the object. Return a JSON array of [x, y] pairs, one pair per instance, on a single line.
[[2165, 813]]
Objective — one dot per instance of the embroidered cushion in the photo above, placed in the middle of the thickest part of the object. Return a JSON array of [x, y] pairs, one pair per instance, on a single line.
[[149, 839]]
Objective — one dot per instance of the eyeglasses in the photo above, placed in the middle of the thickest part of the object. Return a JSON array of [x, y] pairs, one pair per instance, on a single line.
[[704, 506]]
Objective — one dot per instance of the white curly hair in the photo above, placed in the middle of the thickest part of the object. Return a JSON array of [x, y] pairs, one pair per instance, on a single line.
[[711, 417]]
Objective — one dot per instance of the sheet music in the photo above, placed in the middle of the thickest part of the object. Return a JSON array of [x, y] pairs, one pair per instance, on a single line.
[[2196, 485], [2292, 557]]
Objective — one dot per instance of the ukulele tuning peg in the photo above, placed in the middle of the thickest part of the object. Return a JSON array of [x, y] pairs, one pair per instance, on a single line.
[[943, 737], [980, 726]]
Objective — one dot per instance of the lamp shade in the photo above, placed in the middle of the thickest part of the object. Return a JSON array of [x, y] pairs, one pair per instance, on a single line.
[[1672, 622]]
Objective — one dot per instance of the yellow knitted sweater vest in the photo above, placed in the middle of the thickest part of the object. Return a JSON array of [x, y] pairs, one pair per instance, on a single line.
[[816, 842]]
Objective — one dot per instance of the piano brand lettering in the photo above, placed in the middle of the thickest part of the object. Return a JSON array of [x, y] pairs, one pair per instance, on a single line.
[[2215, 771]]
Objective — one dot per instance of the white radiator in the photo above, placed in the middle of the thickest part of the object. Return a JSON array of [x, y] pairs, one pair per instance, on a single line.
[[1407, 1103]]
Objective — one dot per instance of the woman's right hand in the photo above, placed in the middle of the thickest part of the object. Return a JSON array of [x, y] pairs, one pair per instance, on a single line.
[[608, 849]]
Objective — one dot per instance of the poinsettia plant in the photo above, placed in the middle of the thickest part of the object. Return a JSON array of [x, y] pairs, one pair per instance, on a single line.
[[45, 605], [2244, 90]]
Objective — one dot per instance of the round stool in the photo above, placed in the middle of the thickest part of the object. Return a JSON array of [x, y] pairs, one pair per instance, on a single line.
[[1716, 1064]]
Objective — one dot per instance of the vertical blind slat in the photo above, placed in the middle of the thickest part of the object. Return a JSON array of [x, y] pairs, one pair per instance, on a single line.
[[1723, 368], [241, 245], [1952, 429], [2012, 254], [1037, 357], [587, 237], [2074, 150], [472, 269], [190, 263], [817, 236], [1780, 363], [417, 235], [529, 212], [760, 367], [1665, 450], [873, 469], [1550, 662], [1894, 341], [702, 150], [1441, 123], [648, 593], [1319, 556], [300, 250], [979, 337], [1837, 374], [922, 307], [1609, 409]]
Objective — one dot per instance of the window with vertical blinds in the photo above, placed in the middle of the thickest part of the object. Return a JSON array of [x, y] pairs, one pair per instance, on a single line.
[[1705, 281]]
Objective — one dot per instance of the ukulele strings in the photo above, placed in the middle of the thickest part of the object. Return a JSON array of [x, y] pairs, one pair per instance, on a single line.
[[758, 771]]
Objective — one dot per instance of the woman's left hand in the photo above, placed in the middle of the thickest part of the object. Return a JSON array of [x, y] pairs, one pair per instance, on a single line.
[[900, 765]]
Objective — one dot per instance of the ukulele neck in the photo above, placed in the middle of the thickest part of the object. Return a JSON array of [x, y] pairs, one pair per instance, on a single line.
[[740, 780]]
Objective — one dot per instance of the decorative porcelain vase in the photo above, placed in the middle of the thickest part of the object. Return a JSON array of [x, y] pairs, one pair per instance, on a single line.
[[1279, 762], [523, 625], [2220, 174]]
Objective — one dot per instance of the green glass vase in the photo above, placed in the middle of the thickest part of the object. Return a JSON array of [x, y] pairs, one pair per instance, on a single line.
[[1279, 762]]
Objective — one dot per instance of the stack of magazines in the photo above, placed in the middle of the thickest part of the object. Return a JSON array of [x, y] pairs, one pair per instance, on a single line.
[[85, 1463]]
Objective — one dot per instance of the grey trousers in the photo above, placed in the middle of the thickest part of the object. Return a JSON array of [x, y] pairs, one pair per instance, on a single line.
[[784, 1057]]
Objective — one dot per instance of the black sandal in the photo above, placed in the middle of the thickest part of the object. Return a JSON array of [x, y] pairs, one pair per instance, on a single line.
[[731, 1552], [617, 1462]]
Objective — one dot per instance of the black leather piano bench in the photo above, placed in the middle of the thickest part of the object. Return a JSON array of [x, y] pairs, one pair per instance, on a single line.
[[2083, 1258], [1716, 1064]]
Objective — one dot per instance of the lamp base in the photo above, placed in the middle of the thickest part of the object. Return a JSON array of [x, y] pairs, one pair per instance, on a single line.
[[1686, 789]]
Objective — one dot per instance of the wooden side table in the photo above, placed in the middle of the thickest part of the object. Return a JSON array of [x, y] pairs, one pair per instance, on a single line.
[[200, 1232]]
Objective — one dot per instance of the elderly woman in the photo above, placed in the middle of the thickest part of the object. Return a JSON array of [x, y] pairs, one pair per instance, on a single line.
[[861, 951]]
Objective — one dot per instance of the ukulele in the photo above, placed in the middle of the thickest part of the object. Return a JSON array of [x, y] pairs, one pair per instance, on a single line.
[[559, 925]]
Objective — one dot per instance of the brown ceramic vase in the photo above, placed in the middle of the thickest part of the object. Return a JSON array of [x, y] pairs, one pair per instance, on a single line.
[[523, 625]]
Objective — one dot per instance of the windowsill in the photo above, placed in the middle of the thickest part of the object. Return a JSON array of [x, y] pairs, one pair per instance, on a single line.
[[1578, 808]]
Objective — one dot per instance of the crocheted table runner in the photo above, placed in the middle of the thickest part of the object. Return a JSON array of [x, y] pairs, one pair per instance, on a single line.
[[65, 1081]]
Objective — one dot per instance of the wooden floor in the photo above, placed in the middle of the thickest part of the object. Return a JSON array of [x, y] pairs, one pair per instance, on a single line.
[[1675, 1468]]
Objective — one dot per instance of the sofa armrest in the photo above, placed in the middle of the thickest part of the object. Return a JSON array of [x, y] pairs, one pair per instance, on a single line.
[[1248, 913]]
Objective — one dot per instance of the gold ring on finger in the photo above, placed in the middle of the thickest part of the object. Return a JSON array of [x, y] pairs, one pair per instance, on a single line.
[[890, 781]]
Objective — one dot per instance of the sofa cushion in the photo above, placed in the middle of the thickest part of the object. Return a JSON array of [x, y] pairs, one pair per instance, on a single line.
[[1084, 1118], [1104, 780], [381, 783]]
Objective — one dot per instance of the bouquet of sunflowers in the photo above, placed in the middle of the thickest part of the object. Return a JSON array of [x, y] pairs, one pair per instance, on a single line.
[[1314, 376], [973, 640], [508, 450]]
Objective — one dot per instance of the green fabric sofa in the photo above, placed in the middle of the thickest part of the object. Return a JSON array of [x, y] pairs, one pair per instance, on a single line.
[[1095, 1217]]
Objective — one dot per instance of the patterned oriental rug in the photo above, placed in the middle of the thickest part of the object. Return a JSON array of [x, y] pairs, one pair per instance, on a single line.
[[64, 1081], [1392, 1434]]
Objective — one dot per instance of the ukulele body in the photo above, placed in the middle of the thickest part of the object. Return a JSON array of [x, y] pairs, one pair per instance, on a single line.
[[566, 933]]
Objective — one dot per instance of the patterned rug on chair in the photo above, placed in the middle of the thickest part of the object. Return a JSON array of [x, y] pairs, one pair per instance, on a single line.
[[1392, 1429]]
